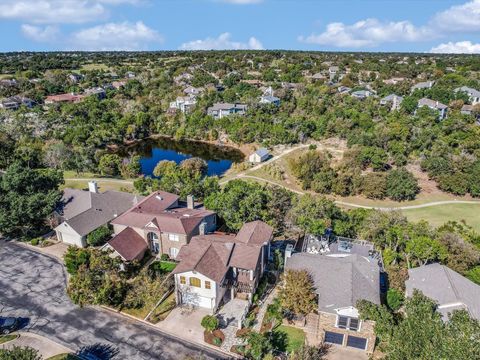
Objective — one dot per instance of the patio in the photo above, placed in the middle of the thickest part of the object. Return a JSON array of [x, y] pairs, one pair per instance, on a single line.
[[232, 313]]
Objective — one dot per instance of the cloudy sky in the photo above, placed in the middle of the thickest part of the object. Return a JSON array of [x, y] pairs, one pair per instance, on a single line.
[[343, 25]]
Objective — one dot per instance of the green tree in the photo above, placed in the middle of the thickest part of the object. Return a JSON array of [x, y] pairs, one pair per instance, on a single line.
[[27, 198], [210, 323], [374, 185], [298, 293], [99, 236], [110, 164], [258, 345], [394, 299], [401, 185]]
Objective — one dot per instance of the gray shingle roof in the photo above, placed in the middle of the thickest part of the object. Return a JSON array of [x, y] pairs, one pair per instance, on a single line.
[[431, 103], [262, 152], [447, 287], [85, 211], [340, 281], [470, 91]]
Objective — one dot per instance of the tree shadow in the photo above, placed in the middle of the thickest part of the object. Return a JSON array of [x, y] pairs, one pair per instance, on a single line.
[[97, 352], [279, 340]]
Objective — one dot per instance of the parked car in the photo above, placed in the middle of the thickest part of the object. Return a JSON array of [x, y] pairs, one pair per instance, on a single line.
[[8, 325]]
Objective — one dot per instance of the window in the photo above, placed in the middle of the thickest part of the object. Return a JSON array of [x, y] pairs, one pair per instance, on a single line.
[[207, 285], [173, 237], [353, 324], [344, 322], [183, 281], [152, 236], [195, 282], [173, 253]]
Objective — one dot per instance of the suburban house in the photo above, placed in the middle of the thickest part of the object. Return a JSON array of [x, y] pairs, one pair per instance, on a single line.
[[268, 98], [63, 98], [473, 94], [344, 89], [259, 156], [193, 91], [332, 71], [162, 223], [184, 103], [14, 102], [362, 94], [423, 85], [219, 110], [343, 273], [75, 78], [82, 211], [448, 288], [218, 268], [434, 105], [97, 91], [392, 100], [118, 84], [393, 81]]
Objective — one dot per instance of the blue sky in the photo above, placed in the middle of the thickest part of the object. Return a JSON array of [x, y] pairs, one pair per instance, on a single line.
[[333, 25]]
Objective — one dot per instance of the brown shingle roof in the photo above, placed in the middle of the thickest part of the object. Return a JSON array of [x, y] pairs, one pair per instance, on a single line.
[[163, 209], [255, 233], [212, 255], [128, 244]]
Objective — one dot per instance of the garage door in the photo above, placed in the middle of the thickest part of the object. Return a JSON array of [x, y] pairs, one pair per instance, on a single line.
[[197, 300], [333, 338], [357, 342], [71, 239]]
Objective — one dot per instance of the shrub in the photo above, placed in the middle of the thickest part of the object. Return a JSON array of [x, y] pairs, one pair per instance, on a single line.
[[394, 299], [209, 323], [164, 257], [217, 341], [99, 236], [374, 185], [36, 241]]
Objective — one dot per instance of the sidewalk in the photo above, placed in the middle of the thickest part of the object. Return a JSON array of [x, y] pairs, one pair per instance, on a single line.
[[46, 347]]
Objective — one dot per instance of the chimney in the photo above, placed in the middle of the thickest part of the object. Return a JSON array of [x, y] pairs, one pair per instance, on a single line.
[[93, 186], [288, 254], [202, 229], [190, 202]]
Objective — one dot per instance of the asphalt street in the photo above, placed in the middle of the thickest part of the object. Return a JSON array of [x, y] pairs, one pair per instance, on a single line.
[[32, 286]]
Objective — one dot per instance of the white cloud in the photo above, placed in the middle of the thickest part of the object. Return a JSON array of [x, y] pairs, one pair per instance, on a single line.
[[461, 47], [58, 11], [39, 34], [115, 36], [222, 42], [459, 18], [368, 33]]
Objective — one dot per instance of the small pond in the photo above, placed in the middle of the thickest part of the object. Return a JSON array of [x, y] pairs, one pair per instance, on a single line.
[[218, 158]]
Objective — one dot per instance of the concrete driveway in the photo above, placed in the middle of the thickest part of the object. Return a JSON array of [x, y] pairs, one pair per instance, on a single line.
[[344, 353], [185, 322], [33, 287]]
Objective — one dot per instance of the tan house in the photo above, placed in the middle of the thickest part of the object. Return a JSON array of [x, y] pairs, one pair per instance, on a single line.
[[163, 222], [218, 268], [341, 278]]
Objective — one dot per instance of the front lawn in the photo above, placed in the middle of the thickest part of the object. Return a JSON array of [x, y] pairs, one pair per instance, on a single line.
[[5, 338], [289, 338]]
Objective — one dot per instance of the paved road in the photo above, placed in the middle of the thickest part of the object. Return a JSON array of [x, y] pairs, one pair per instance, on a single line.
[[32, 286]]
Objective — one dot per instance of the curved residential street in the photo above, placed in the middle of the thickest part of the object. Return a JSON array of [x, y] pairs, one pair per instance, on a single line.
[[32, 286]]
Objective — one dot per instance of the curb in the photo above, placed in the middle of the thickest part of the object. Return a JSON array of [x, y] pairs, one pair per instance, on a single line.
[[163, 332]]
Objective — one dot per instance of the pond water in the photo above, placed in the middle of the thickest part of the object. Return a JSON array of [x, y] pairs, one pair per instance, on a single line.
[[218, 158]]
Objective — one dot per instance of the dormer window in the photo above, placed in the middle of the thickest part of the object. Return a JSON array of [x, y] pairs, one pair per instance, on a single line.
[[349, 323]]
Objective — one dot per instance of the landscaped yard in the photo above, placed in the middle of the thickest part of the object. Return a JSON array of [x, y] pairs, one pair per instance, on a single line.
[[63, 357], [162, 311], [295, 338], [80, 181]]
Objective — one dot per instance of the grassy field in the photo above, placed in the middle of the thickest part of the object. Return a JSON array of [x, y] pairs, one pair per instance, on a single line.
[[295, 337], [80, 181], [438, 215]]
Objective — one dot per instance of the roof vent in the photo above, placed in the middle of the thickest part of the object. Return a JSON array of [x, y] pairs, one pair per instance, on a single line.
[[158, 197]]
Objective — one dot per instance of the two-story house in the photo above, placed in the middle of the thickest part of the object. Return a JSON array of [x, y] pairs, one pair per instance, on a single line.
[[184, 103], [341, 278], [220, 110], [435, 106], [163, 223], [473, 94], [216, 268]]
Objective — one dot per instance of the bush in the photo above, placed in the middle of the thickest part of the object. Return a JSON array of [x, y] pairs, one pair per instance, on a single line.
[[209, 323], [36, 241], [164, 257], [374, 185], [394, 299], [401, 185], [99, 236], [74, 258]]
